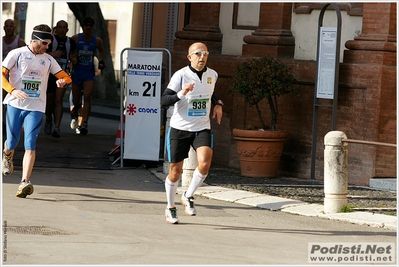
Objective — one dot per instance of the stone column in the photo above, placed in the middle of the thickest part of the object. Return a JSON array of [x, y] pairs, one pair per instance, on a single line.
[[335, 172], [169, 113], [273, 37], [189, 165]]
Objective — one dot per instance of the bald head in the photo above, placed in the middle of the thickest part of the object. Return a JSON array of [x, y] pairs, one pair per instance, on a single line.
[[198, 55], [9, 22], [9, 27], [195, 46]]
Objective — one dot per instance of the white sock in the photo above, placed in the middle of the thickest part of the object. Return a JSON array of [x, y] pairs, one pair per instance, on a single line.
[[198, 178], [171, 189]]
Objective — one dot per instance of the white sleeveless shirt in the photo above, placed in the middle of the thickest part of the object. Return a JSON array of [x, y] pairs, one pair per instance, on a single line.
[[8, 47]]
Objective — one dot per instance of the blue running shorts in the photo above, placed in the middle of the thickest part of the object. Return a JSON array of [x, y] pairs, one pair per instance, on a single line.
[[30, 120]]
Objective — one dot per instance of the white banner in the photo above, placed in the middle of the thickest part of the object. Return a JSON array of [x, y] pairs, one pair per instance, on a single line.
[[143, 107]]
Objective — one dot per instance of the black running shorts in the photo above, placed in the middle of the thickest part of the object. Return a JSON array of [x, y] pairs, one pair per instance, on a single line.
[[178, 143]]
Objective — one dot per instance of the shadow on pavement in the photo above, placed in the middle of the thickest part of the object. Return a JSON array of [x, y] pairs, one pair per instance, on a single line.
[[70, 151]]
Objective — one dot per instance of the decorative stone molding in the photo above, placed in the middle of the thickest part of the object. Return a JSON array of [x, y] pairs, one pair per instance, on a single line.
[[353, 9], [235, 18]]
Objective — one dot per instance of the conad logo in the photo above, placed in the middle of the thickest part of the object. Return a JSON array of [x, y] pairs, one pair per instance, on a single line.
[[131, 109], [148, 110]]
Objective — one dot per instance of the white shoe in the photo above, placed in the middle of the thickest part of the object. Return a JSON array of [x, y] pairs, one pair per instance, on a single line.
[[188, 203], [24, 189], [74, 118], [8, 165], [74, 124], [171, 215]]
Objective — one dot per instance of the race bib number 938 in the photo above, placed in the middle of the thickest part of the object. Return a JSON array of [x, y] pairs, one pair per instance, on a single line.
[[197, 107]]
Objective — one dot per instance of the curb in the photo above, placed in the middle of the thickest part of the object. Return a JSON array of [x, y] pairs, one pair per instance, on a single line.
[[296, 207]]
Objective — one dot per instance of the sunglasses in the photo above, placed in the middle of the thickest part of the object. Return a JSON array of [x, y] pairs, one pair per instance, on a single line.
[[41, 40], [199, 53]]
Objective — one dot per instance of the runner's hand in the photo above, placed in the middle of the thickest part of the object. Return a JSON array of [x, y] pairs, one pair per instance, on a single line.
[[61, 83], [19, 94]]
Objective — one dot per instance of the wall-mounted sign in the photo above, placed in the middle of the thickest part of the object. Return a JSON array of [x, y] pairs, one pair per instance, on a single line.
[[326, 63]]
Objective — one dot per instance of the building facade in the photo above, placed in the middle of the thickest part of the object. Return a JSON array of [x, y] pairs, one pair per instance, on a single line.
[[233, 32], [367, 84]]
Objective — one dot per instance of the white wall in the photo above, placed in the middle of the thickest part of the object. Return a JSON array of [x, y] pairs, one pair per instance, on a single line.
[[304, 28], [51, 12], [233, 38], [122, 12]]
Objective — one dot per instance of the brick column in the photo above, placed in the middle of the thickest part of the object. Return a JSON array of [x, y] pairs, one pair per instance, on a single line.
[[370, 62], [273, 37], [203, 27], [378, 35]]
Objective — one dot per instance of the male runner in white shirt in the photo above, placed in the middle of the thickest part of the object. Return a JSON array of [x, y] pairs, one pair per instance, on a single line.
[[191, 91], [28, 69]]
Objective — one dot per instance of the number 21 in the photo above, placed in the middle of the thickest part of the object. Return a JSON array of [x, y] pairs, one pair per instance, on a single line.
[[147, 91]]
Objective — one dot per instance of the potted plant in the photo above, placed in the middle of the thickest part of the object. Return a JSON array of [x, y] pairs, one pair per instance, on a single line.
[[258, 79]]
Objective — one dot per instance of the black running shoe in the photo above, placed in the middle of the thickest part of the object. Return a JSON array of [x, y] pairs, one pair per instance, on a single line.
[[82, 129]]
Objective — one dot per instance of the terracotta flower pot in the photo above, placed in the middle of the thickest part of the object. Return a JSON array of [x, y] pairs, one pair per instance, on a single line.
[[259, 151]]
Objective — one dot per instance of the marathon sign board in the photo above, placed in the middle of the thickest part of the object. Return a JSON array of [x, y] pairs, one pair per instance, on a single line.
[[143, 107]]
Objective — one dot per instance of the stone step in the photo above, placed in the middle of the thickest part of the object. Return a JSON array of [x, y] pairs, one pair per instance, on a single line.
[[383, 184]]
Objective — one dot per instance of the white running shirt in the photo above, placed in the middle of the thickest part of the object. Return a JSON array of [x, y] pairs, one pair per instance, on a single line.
[[192, 111], [29, 73]]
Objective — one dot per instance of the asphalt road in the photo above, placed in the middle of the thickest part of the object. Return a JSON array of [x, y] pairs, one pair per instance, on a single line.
[[84, 212]]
